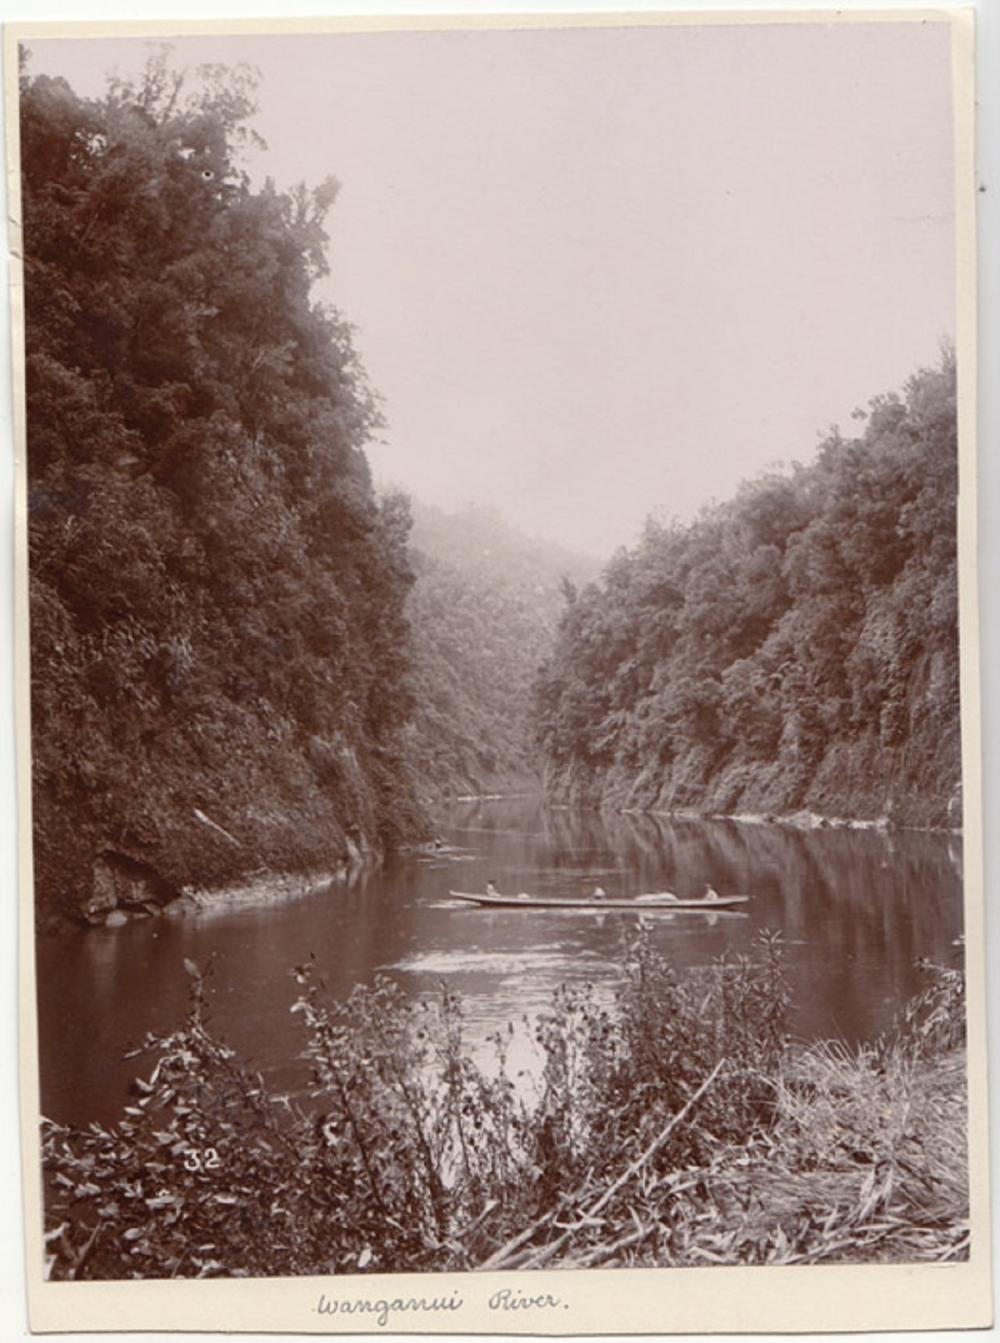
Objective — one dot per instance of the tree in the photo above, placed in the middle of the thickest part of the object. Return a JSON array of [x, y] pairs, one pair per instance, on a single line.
[[217, 597], [796, 645]]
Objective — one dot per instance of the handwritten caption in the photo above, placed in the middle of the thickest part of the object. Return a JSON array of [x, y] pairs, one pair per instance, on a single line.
[[387, 1308]]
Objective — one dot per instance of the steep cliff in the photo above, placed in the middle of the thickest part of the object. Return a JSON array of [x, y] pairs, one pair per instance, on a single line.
[[794, 650], [219, 647]]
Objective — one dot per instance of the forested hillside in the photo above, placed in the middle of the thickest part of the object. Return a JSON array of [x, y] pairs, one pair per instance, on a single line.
[[484, 611], [795, 648], [218, 637]]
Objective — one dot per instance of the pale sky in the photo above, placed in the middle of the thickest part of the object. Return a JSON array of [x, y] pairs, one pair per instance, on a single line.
[[596, 273]]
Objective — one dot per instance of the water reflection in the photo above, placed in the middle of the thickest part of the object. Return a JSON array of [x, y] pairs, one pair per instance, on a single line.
[[856, 908]]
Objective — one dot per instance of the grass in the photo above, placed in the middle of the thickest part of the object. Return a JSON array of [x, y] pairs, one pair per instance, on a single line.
[[677, 1126]]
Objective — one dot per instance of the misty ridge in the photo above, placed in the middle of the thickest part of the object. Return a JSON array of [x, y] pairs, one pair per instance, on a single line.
[[483, 611], [245, 660]]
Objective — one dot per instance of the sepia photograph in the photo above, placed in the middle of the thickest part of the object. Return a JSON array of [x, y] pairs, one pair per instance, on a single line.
[[501, 790]]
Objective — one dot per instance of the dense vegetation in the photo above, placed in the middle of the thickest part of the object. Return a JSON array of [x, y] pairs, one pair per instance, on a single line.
[[484, 611], [242, 663], [218, 630], [675, 1127], [793, 649]]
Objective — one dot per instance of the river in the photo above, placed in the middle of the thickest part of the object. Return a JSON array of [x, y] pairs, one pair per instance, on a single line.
[[856, 909]]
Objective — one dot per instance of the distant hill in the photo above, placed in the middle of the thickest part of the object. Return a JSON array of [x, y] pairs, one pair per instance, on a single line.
[[483, 610]]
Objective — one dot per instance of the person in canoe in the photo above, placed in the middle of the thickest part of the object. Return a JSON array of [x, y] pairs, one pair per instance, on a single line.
[[492, 890], [600, 893], [711, 894]]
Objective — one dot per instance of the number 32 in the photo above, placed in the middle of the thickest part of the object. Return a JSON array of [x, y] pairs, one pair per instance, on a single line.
[[207, 1160]]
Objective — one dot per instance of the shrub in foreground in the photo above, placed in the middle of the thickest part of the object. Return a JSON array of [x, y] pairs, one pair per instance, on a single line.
[[676, 1125]]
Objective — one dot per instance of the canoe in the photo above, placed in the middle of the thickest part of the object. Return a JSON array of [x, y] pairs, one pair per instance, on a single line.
[[640, 903]]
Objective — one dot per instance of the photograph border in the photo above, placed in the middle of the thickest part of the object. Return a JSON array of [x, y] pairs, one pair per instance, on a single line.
[[737, 1299]]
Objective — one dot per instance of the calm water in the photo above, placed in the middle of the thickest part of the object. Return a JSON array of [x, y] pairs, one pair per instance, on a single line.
[[856, 910]]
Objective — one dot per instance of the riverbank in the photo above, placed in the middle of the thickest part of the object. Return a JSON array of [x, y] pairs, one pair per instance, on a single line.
[[809, 820], [135, 896], [678, 1126], [796, 820], [912, 785]]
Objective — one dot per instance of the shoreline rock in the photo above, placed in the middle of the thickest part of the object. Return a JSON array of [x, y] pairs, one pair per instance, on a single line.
[[800, 820], [272, 888], [125, 889]]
